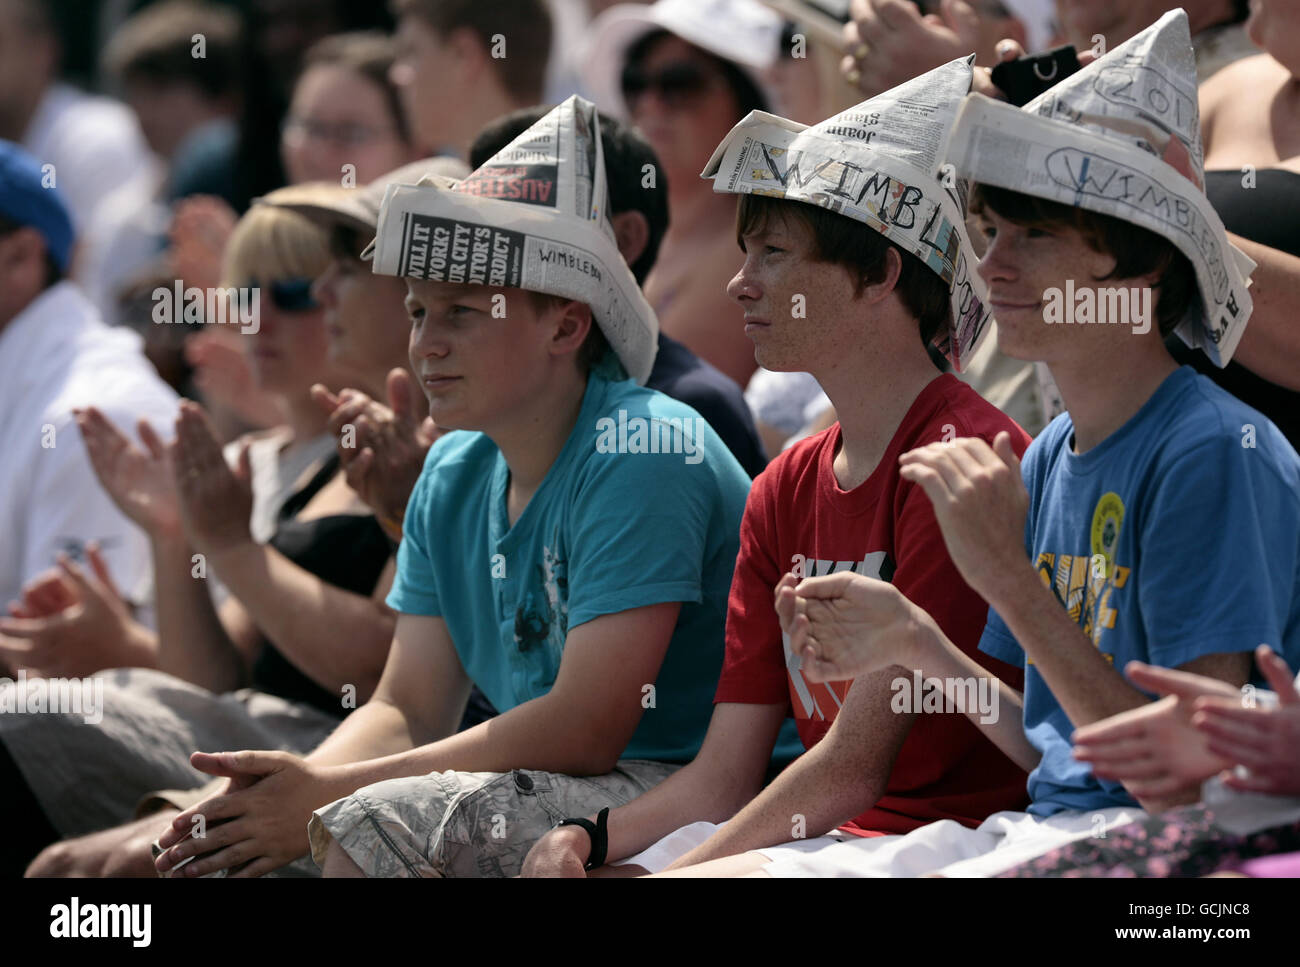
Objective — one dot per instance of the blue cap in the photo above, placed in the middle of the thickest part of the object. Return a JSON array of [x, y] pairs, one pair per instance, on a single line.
[[24, 199]]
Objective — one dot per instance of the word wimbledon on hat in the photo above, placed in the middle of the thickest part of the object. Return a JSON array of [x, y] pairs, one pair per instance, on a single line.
[[877, 163], [535, 216], [1122, 137]]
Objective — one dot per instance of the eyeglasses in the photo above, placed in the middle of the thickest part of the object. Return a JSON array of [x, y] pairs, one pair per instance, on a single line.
[[677, 84], [289, 295], [344, 134]]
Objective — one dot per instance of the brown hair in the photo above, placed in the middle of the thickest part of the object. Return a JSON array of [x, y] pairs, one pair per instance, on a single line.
[[369, 53], [156, 45], [1136, 250], [843, 241], [528, 36]]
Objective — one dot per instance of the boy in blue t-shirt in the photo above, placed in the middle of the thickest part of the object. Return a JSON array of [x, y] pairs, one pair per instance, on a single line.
[[569, 551], [1158, 520]]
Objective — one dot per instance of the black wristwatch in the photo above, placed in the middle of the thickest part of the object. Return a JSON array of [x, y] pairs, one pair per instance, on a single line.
[[598, 834]]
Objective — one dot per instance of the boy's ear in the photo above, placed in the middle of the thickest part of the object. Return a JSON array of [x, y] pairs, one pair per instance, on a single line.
[[878, 290], [632, 230], [572, 324]]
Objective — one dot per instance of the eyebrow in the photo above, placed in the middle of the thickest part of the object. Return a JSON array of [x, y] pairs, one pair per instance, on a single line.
[[457, 291], [449, 294]]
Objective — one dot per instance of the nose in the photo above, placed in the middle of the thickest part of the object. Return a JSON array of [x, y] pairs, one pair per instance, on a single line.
[[401, 74], [323, 289], [742, 286], [268, 315], [998, 263], [427, 343]]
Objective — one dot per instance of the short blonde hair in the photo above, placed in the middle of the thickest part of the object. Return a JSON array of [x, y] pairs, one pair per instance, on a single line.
[[274, 243]]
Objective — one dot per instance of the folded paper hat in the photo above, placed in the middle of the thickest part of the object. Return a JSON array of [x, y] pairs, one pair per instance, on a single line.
[[743, 32], [329, 203], [877, 163], [535, 216], [1122, 138]]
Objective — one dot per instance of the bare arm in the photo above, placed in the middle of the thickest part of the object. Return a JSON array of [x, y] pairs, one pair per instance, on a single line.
[[580, 727], [1270, 344], [335, 637], [420, 698], [726, 774], [192, 642], [939, 658], [839, 778], [849, 625], [1087, 687]]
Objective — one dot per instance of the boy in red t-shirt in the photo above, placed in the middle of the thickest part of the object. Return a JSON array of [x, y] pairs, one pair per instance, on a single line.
[[825, 294]]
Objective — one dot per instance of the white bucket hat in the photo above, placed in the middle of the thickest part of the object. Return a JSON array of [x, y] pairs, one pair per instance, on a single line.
[[743, 32]]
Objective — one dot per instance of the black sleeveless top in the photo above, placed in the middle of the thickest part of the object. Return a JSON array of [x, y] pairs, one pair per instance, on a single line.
[[348, 551], [1268, 214]]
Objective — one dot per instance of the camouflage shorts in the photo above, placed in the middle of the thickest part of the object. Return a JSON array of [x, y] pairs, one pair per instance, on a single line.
[[467, 823]]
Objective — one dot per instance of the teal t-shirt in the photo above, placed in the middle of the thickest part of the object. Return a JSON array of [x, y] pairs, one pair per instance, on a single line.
[[641, 507]]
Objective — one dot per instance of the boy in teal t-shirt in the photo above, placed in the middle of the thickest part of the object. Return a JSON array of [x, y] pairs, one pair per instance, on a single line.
[[606, 532], [569, 551]]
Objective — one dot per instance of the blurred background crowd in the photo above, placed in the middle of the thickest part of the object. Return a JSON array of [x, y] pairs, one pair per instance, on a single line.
[[163, 120]]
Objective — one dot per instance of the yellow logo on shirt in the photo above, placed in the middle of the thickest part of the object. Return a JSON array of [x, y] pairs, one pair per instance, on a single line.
[[1084, 585], [1107, 519]]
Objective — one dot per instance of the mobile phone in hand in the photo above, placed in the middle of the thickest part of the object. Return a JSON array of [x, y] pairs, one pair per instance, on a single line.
[[1024, 78]]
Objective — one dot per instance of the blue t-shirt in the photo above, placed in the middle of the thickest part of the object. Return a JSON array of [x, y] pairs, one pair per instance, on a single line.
[[1177, 536], [642, 506]]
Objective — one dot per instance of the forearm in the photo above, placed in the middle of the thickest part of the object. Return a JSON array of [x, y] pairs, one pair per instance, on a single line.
[[1087, 687], [938, 658], [816, 793], [1270, 344], [543, 734], [377, 729], [192, 643], [139, 646], [703, 791], [333, 636]]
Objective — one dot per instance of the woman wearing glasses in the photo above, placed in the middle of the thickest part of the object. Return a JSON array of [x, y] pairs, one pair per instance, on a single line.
[[301, 638], [345, 118], [684, 72]]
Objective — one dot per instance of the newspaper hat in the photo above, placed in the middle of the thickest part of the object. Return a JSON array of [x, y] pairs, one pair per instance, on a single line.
[[743, 32], [535, 216], [328, 203], [878, 163], [1107, 139]]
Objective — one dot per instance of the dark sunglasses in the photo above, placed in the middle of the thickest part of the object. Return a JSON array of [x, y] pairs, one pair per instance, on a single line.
[[290, 295], [677, 84]]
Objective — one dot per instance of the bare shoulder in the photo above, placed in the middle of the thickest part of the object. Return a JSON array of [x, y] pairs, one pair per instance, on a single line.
[[1240, 80]]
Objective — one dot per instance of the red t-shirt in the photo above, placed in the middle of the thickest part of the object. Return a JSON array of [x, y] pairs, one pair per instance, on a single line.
[[797, 516]]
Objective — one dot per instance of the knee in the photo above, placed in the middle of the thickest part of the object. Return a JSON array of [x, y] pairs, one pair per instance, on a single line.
[[133, 857], [63, 859]]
